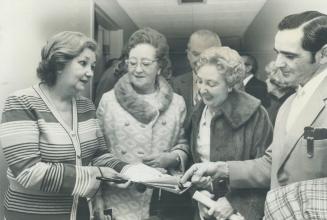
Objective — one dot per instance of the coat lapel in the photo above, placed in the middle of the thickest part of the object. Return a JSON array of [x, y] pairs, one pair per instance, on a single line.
[[196, 117], [307, 117], [188, 87]]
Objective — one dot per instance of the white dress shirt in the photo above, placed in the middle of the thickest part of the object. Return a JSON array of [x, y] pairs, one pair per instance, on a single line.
[[203, 139], [247, 79], [196, 94], [303, 95]]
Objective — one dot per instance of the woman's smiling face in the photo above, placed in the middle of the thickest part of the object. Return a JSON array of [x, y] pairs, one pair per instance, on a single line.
[[212, 85], [143, 67]]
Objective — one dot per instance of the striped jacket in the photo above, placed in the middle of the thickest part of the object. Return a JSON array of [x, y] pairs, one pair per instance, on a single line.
[[47, 159]]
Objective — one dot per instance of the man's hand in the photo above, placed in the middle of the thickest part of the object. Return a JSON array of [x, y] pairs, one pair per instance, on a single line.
[[199, 172]]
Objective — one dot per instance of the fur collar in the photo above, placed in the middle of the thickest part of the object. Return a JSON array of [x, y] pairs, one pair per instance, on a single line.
[[133, 103], [237, 109]]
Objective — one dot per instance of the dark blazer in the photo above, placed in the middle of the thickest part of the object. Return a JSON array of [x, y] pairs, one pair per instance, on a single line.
[[241, 131], [258, 89], [108, 80], [183, 85]]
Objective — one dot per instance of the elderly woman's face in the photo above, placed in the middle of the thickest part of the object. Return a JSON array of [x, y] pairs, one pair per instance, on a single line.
[[143, 67], [212, 85]]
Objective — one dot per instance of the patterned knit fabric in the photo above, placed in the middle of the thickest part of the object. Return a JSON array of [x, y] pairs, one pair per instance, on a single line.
[[47, 159], [135, 128]]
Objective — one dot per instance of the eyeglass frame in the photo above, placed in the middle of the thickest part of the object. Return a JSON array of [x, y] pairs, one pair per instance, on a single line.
[[127, 61]]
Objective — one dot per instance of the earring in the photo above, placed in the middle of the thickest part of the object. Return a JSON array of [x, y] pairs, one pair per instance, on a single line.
[[159, 71], [229, 89]]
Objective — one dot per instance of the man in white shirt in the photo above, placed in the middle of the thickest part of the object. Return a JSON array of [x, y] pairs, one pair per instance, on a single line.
[[301, 47], [252, 85]]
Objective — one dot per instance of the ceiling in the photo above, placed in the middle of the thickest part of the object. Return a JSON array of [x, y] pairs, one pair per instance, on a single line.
[[228, 18]]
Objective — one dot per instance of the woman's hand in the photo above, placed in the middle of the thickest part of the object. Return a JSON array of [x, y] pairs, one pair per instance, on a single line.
[[120, 185], [110, 173], [97, 208], [98, 214], [203, 210], [222, 209], [203, 183], [163, 160]]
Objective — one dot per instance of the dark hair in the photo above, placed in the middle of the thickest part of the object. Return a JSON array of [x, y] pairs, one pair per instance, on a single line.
[[158, 41], [253, 60], [58, 51], [314, 29]]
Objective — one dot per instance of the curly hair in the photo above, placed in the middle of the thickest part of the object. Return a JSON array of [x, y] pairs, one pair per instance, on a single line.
[[227, 61], [158, 41], [58, 51]]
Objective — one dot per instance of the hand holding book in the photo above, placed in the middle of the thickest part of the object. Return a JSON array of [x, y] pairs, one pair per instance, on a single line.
[[151, 177]]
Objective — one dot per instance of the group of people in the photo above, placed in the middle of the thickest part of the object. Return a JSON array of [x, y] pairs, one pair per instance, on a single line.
[[204, 126]]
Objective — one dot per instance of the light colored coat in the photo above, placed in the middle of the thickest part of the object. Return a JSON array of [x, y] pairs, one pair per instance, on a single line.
[[286, 159], [133, 128]]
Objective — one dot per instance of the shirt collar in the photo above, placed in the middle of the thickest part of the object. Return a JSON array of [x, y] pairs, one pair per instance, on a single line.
[[311, 85], [247, 79]]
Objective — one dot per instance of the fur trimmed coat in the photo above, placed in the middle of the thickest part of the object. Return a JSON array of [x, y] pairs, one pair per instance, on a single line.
[[240, 131], [134, 128]]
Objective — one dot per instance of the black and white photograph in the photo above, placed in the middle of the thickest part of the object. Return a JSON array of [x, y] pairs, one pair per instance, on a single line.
[[163, 110]]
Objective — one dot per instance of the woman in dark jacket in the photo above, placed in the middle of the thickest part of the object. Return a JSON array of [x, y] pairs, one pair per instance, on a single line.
[[228, 125]]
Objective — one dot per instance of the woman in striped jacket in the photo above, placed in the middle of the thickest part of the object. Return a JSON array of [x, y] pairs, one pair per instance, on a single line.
[[50, 137]]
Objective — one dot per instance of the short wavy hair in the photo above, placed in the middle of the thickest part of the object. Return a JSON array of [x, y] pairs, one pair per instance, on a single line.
[[158, 41], [210, 38], [226, 60], [314, 29], [58, 51]]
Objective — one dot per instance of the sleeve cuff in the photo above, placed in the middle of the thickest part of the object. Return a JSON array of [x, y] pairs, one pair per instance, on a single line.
[[86, 184], [119, 166]]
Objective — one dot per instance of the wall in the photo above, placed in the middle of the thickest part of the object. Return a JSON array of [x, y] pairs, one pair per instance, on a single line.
[[259, 38], [118, 16], [24, 28]]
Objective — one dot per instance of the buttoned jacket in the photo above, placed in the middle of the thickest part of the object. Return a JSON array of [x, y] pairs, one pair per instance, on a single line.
[[134, 129]]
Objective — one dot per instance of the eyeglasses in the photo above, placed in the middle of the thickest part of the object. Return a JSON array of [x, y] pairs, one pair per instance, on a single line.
[[145, 63]]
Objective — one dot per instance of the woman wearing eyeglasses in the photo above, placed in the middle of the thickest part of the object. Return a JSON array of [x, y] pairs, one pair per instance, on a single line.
[[142, 119]]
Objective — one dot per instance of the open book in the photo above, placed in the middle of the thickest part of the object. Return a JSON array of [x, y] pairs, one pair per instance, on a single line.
[[151, 177]]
